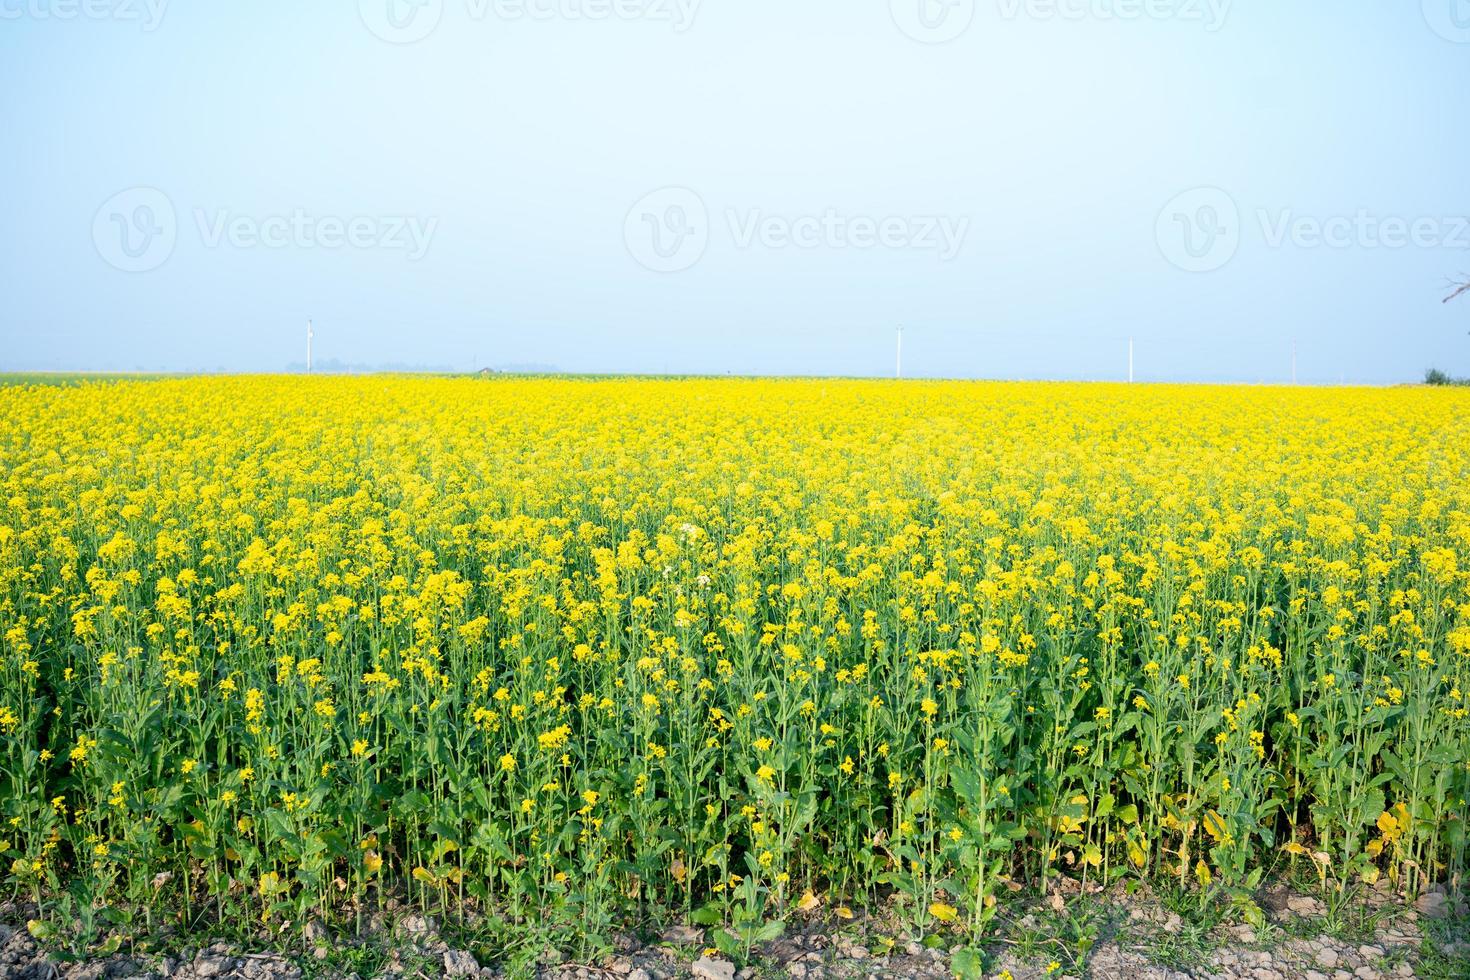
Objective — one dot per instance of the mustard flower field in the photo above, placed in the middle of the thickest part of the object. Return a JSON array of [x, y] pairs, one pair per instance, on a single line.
[[723, 651]]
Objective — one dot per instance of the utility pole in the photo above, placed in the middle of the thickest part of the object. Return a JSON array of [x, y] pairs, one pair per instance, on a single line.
[[309, 335], [898, 369]]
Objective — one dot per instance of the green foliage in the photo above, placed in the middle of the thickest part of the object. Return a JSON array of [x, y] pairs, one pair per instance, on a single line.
[[286, 657]]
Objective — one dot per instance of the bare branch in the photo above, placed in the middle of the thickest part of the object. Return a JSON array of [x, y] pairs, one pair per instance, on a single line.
[[1458, 287]]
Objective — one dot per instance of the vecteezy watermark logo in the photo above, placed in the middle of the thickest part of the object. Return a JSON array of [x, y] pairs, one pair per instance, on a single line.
[[670, 229], [136, 230], [667, 230], [1450, 19], [1210, 13], [147, 13], [408, 21], [1199, 231], [942, 234], [401, 21], [679, 13], [302, 230], [1363, 229], [933, 21], [1202, 229]]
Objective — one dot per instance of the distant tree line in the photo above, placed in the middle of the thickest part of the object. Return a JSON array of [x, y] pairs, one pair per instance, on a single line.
[[1434, 376]]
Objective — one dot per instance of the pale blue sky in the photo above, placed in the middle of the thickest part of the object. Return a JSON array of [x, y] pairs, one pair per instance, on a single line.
[[1012, 195]]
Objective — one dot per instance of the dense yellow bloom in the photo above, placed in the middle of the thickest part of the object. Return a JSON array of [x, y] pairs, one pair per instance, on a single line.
[[908, 610]]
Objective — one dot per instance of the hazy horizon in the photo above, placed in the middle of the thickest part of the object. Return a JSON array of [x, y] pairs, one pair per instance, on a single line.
[[754, 189]]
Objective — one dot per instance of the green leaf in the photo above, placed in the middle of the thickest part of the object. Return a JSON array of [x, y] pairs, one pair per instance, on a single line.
[[708, 915], [725, 941], [968, 964]]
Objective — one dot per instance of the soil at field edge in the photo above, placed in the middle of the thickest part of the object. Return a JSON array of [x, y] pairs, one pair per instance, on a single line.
[[1083, 936]]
